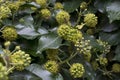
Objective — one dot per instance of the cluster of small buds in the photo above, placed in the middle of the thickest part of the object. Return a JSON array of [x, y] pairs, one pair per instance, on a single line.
[[4, 11], [62, 17], [77, 70], [116, 68], [105, 45], [103, 61], [20, 60], [90, 20], [52, 66], [9, 33], [3, 72], [45, 13], [42, 3], [83, 5], [83, 46], [52, 53], [58, 5], [14, 6], [69, 33]]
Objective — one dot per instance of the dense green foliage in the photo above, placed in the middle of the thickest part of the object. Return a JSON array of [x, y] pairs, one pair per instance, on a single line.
[[63, 39]]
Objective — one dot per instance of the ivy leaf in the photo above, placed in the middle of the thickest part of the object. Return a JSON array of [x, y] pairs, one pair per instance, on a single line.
[[51, 40], [24, 75], [113, 10], [112, 38], [117, 53], [42, 73], [28, 33], [71, 5]]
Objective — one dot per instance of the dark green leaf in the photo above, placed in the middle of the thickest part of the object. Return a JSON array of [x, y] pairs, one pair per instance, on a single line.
[[24, 75], [72, 5], [49, 41], [113, 10], [42, 73], [117, 54]]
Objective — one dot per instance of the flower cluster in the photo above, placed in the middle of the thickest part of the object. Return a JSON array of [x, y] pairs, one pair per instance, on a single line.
[[62, 17], [9, 33], [77, 70], [45, 13], [3, 72], [20, 59], [58, 5], [42, 3], [69, 33], [103, 61], [116, 67], [52, 66], [83, 5], [90, 20], [105, 45], [52, 54]]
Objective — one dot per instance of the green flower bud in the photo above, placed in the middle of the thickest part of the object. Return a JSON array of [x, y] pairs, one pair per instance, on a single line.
[[20, 59], [87, 56], [94, 65], [77, 70], [83, 46], [42, 3], [58, 5], [90, 20], [52, 66], [3, 72], [116, 67], [90, 31], [83, 5], [9, 33], [7, 43], [52, 53], [62, 17], [103, 61], [4, 11], [45, 13]]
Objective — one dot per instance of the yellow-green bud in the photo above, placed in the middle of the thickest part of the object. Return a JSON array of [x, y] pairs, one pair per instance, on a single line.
[[116, 67], [45, 13], [9, 33], [42, 3], [83, 5], [17, 47], [3, 72], [52, 53], [80, 26], [52, 66], [20, 59], [4, 11], [77, 70], [62, 17], [7, 43], [58, 5], [90, 20], [94, 65], [103, 61], [87, 56]]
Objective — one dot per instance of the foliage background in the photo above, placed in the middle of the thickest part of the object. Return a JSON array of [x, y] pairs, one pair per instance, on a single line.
[[37, 35]]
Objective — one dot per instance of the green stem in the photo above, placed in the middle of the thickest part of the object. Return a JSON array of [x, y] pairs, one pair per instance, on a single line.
[[79, 17], [68, 59], [10, 69], [89, 2]]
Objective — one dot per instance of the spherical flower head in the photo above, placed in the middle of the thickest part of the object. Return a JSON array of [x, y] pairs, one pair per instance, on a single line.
[[77, 70], [51, 66], [90, 31], [83, 5], [45, 13], [90, 20], [74, 35], [63, 30], [9, 33], [3, 72], [83, 46], [20, 59], [116, 67], [52, 53], [4, 11], [62, 17], [103, 61], [105, 46], [58, 5], [94, 65], [42, 3]]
